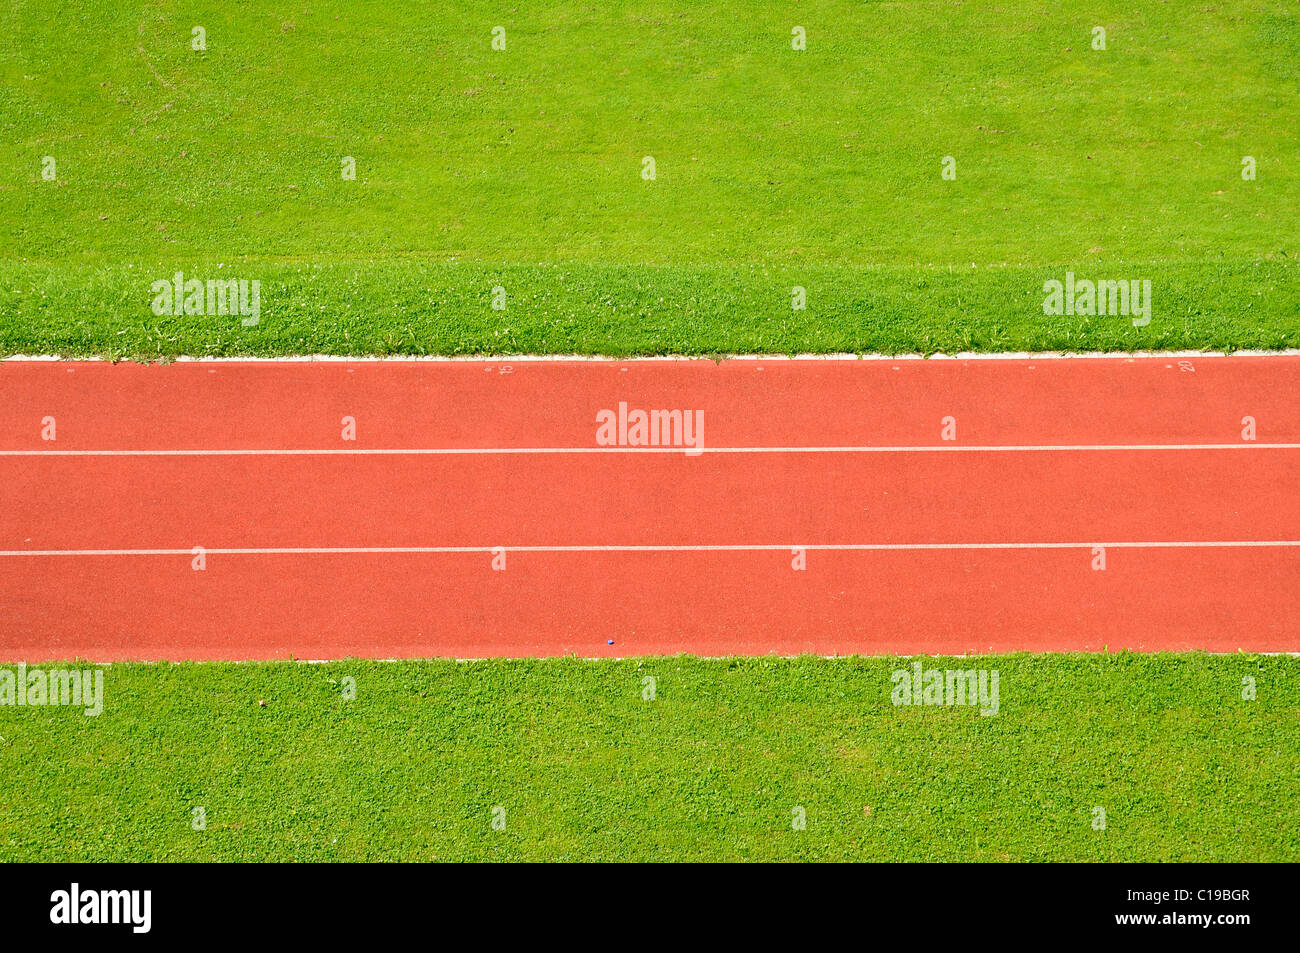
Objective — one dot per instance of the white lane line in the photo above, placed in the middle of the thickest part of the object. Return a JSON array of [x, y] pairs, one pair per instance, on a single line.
[[759, 547], [688, 451]]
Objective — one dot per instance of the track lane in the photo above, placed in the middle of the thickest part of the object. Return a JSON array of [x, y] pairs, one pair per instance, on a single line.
[[421, 604]]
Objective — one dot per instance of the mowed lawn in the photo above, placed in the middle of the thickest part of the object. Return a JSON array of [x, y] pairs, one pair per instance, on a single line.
[[573, 761], [522, 169]]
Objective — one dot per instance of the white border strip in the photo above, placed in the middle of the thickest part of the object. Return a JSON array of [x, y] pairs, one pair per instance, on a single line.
[[602, 359], [476, 659]]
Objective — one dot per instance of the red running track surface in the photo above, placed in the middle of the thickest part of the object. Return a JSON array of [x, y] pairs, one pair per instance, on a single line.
[[316, 546]]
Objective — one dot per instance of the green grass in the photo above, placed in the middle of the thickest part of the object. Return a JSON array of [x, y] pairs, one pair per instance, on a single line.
[[712, 768], [521, 168]]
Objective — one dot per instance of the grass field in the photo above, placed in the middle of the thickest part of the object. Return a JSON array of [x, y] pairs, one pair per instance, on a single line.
[[522, 168], [711, 768]]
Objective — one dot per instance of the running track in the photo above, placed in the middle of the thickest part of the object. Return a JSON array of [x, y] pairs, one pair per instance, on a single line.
[[319, 547]]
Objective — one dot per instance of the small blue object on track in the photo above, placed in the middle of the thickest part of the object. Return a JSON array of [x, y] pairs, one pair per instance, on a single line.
[[611, 642]]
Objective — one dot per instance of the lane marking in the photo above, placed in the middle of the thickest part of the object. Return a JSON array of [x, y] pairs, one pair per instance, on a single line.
[[687, 451], [759, 547]]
